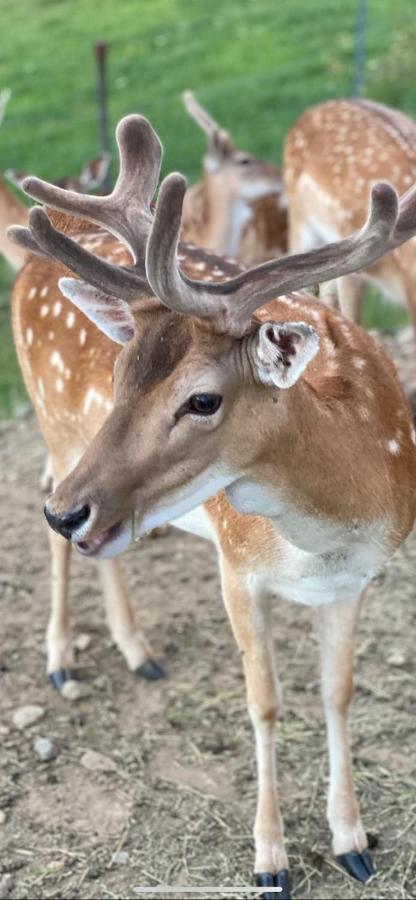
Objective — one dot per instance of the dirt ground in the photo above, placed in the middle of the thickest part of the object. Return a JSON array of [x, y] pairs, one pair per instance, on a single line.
[[177, 803]]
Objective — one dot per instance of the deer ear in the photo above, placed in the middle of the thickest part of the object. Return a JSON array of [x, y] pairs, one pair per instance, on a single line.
[[112, 316], [283, 351]]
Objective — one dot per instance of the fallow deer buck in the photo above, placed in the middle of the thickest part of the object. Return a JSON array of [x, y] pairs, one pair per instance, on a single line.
[[238, 209], [271, 426], [332, 156]]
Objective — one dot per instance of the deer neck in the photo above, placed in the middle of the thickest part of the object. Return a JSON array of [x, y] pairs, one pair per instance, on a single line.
[[309, 477], [12, 212], [226, 217]]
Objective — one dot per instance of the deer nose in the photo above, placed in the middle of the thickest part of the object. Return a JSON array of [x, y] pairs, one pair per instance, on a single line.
[[68, 522]]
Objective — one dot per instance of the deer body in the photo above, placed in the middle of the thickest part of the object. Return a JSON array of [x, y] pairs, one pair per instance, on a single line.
[[332, 156], [285, 422]]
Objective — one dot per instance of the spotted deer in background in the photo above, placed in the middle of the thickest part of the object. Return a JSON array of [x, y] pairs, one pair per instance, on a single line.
[[333, 155], [12, 210], [238, 208], [274, 427]]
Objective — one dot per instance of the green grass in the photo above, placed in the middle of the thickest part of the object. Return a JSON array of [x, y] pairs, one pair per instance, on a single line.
[[256, 64]]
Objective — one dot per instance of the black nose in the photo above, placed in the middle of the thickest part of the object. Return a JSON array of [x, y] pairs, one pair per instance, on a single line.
[[68, 522]]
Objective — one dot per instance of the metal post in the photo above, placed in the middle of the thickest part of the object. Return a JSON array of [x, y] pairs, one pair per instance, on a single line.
[[101, 48], [360, 48]]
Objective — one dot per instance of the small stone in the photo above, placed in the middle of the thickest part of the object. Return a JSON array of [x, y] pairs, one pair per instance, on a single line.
[[27, 715], [44, 749], [82, 641], [397, 659], [3, 817], [75, 690], [121, 858], [97, 762]]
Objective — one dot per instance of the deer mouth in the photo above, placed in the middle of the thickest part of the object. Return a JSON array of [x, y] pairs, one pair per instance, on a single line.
[[107, 543]]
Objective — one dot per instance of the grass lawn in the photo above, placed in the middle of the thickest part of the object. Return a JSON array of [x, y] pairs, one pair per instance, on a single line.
[[256, 64]]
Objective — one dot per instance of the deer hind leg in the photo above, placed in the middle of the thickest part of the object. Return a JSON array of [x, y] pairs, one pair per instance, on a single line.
[[337, 624], [120, 618], [249, 617]]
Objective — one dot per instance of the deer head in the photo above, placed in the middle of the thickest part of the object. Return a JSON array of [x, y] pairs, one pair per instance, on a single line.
[[238, 173], [202, 385], [91, 178]]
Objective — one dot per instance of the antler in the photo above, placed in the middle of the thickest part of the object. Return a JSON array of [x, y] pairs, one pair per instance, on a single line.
[[217, 136], [125, 212], [5, 95], [230, 305]]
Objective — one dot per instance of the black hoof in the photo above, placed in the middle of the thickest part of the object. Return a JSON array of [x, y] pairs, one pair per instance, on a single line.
[[59, 678], [359, 865], [151, 670], [266, 880]]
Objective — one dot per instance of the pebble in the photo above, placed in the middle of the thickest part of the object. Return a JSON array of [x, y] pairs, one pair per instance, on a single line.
[[82, 641], [44, 749], [97, 762], [397, 659], [75, 690], [120, 858], [27, 715]]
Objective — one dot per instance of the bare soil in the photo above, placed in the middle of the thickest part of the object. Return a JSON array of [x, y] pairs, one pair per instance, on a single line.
[[178, 805]]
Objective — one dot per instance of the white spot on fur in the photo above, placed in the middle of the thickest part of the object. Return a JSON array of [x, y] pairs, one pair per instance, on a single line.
[[44, 310], [29, 336], [57, 306], [32, 293], [92, 396], [59, 384], [358, 362], [70, 319], [57, 361], [44, 292], [82, 336], [51, 335], [393, 447]]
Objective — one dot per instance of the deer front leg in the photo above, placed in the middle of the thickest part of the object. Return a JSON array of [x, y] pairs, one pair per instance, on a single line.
[[337, 624], [60, 654], [249, 617], [120, 618]]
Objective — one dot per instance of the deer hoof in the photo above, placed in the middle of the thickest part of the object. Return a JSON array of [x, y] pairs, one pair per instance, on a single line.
[[358, 865], [281, 879], [60, 677], [151, 670]]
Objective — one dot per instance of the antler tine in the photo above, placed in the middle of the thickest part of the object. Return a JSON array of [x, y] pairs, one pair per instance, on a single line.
[[230, 305], [24, 238], [126, 211], [43, 238]]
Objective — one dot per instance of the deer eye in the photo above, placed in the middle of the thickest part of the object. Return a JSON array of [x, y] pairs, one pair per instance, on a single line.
[[245, 161], [203, 404]]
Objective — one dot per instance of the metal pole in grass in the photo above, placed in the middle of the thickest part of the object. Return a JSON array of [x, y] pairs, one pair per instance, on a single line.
[[360, 48], [101, 48]]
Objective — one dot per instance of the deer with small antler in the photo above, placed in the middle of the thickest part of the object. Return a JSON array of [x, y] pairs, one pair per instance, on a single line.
[[239, 207], [243, 410], [12, 210], [332, 156]]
